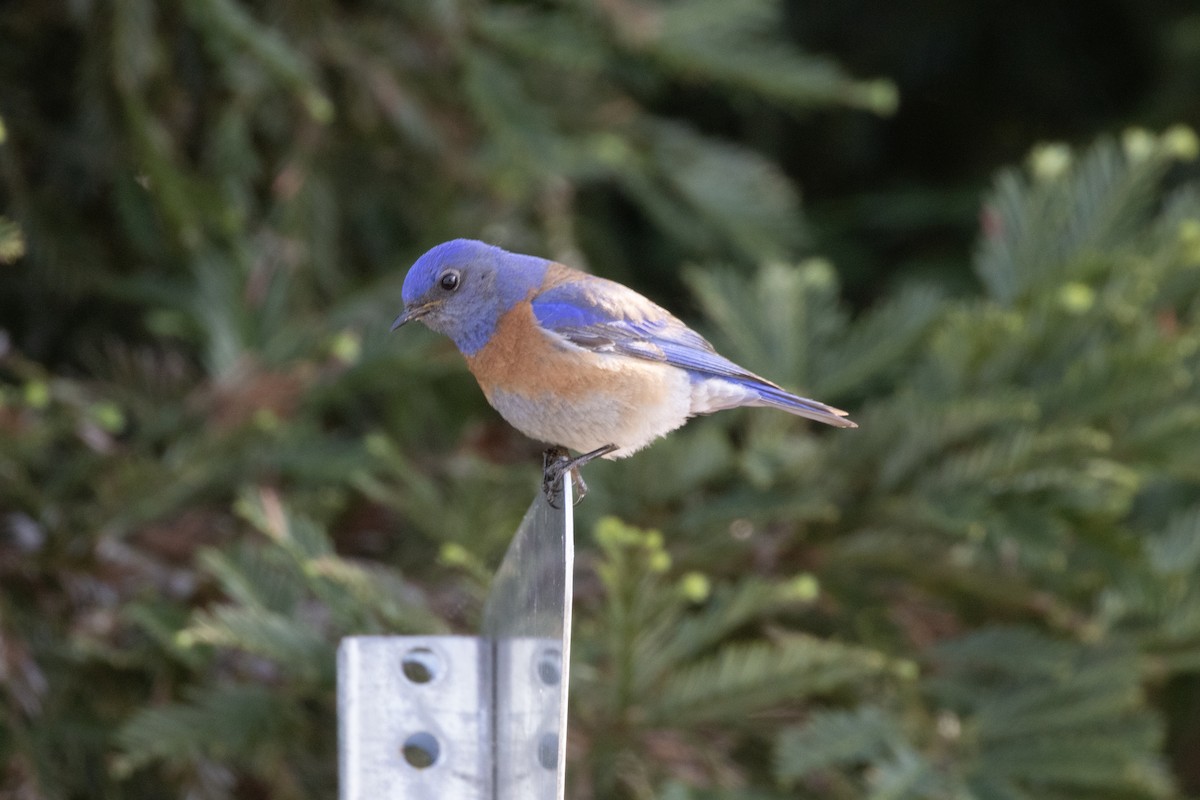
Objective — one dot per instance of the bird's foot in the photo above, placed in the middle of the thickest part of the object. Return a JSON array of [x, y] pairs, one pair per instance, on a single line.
[[553, 461], [556, 462]]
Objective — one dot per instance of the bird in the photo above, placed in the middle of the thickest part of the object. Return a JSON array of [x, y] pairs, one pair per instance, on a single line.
[[577, 361]]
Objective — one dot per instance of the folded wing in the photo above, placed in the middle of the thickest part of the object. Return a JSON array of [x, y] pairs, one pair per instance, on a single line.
[[606, 317]]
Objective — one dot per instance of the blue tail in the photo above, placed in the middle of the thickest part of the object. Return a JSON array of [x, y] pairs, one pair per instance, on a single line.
[[775, 397]]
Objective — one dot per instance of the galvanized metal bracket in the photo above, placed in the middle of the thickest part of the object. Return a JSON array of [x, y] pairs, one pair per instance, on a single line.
[[464, 717]]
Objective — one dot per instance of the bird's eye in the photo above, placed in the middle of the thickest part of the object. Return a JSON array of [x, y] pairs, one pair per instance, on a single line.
[[449, 281]]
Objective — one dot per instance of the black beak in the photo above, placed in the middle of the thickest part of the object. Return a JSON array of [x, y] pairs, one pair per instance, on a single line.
[[409, 314]]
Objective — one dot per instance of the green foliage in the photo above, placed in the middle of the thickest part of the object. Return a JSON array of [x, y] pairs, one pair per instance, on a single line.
[[262, 662], [680, 662], [831, 739], [12, 245], [1048, 718], [1017, 715], [1012, 470], [214, 463]]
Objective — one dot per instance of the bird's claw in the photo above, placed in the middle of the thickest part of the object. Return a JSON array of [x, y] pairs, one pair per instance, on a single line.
[[556, 462]]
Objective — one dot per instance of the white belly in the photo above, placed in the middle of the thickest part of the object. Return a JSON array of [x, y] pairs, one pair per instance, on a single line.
[[639, 403]]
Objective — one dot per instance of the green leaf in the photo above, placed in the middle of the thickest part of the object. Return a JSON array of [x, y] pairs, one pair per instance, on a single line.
[[834, 739], [293, 644], [1039, 234], [227, 723], [741, 680]]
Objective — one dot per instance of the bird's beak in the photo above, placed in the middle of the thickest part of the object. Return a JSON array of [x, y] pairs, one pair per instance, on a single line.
[[412, 312]]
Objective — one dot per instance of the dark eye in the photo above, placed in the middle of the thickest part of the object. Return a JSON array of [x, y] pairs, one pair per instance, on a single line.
[[449, 281]]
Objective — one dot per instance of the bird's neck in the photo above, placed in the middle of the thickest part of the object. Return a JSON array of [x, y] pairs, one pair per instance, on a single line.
[[521, 278], [474, 335]]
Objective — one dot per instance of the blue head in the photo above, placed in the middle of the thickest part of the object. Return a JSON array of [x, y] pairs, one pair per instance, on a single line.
[[462, 287]]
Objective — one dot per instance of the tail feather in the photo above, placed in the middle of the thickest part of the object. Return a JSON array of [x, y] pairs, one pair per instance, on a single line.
[[711, 393], [775, 397]]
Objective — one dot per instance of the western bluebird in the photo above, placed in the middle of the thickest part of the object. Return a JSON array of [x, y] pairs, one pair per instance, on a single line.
[[578, 361]]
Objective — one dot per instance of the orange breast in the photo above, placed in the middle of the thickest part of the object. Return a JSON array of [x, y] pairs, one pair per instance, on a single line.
[[521, 358]]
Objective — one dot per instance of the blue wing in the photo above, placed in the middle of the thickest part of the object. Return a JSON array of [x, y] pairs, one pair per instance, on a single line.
[[606, 317]]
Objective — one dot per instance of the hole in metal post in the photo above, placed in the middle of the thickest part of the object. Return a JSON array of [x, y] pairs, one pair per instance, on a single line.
[[549, 666], [421, 750], [421, 665], [547, 751]]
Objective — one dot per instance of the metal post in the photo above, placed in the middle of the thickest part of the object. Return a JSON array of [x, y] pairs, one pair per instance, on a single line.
[[409, 719], [462, 717]]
